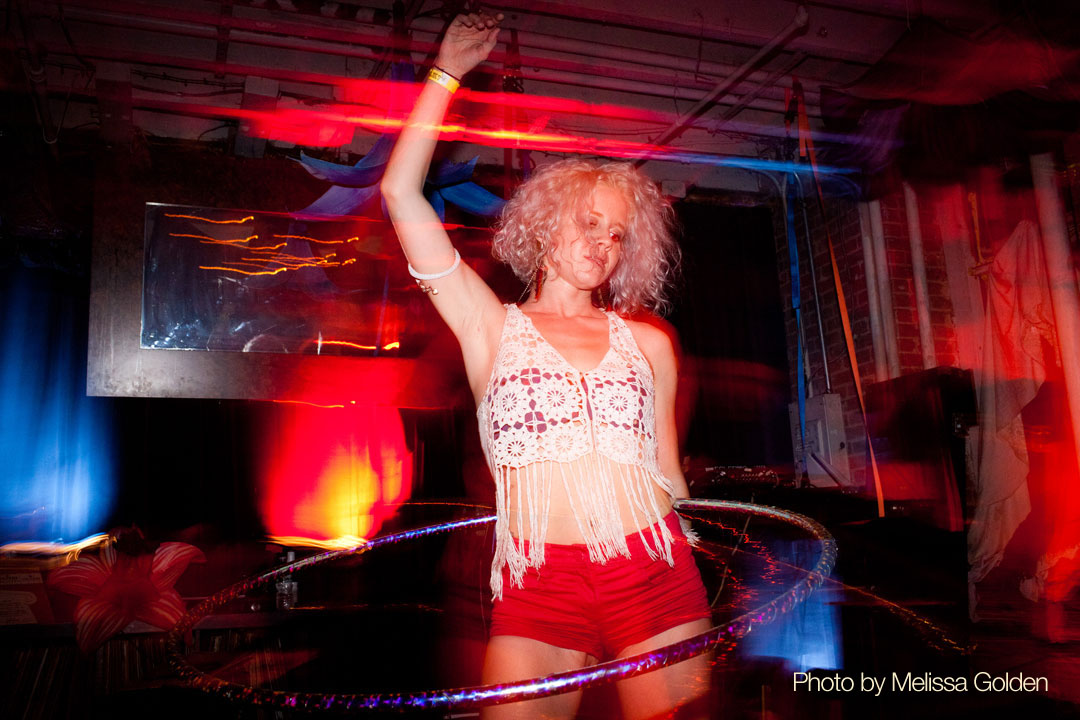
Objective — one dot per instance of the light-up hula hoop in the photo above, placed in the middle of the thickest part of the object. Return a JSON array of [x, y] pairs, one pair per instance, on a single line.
[[471, 697]]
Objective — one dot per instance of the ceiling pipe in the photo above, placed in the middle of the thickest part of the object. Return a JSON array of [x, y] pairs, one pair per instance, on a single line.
[[313, 78], [314, 38], [650, 58], [797, 24], [287, 75], [205, 110], [264, 21], [746, 99], [627, 81], [657, 24], [629, 84], [626, 85]]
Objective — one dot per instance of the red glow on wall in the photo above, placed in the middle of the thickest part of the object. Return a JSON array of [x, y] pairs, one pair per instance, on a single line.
[[329, 472], [297, 126]]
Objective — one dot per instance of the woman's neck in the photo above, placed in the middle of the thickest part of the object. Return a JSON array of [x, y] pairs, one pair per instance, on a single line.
[[558, 297]]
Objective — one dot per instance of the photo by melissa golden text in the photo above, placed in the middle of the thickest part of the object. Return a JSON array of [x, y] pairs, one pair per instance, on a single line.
[[911, 682]]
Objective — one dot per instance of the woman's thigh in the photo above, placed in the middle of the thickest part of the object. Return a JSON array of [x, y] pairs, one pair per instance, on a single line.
[[683, 687], [510, 658]]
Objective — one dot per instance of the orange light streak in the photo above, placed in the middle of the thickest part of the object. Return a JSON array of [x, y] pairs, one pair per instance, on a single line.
[[316, 240], [244, 272], [69, 550], [339, 543], [389, 346], [288, 264], [282, 257], [262, 261], [216, 241], [304, 402], [226, 243], [216, 222]]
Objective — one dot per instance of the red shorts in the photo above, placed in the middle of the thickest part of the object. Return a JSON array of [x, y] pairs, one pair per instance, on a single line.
[[573, 603]]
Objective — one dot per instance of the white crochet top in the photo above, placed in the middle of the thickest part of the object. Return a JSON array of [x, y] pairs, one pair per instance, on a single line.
[[543, 421]]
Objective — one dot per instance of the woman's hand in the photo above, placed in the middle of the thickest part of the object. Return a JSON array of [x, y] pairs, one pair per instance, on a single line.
[[468, 42]]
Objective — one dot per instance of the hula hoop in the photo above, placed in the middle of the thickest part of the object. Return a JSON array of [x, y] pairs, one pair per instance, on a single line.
[[477, 696]]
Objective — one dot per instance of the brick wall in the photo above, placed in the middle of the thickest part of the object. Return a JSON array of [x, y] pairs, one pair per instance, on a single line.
[[844, 227]]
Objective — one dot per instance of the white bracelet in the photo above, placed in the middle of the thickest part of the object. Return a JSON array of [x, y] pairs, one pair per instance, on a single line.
[[436, 276]]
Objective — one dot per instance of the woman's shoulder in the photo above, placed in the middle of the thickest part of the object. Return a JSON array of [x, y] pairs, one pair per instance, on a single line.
[[651, 330], [655, 337]]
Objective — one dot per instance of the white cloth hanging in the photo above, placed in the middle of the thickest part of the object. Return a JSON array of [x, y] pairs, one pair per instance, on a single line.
[[1019, 317]]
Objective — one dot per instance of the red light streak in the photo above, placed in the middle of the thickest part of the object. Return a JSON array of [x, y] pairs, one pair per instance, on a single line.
[[333, 125], [374, 92], [216, 222], [291, 119]]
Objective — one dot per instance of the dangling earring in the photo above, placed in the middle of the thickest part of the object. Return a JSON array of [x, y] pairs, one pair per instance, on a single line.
[[537, 280], [541, 276]]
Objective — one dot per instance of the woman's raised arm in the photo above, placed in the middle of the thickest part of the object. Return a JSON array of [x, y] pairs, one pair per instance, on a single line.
[[461, 297]]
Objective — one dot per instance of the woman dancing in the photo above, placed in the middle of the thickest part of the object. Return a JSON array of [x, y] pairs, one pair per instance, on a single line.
[[576, 407]]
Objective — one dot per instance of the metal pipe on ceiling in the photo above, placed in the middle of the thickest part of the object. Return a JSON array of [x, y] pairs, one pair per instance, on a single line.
[[626, 81], [629, 84], [797, 24], [378, 36], [57, 49], [651, 58], [657, 24], [309, 37]]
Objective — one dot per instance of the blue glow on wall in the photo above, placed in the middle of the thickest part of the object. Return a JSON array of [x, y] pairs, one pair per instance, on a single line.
[[55, 442]]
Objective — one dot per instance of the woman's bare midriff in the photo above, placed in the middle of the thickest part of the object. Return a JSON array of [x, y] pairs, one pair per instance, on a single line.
[[562, 526]]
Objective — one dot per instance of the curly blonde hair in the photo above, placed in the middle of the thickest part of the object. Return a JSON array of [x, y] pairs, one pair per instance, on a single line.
[[562, 192]]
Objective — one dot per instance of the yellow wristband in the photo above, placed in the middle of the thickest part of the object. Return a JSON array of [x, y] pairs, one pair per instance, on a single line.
[[441, 77]]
